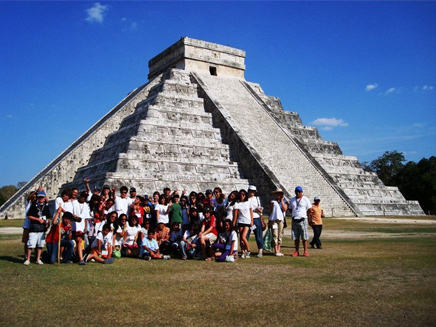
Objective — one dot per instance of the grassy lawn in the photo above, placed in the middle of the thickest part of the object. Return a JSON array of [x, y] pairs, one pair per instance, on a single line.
[[386, 281]]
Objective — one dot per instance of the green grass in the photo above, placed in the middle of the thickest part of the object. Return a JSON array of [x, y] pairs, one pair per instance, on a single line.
[[11, 222], [388, 281]]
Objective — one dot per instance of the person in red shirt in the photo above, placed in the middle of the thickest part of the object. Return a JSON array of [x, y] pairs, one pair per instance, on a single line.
[[208, 234], [66, 238]]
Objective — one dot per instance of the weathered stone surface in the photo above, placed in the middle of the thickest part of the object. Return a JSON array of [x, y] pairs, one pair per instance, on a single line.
[[197, 124]]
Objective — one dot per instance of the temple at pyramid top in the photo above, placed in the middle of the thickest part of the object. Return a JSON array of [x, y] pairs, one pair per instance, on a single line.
[[201, 57], [192, 127]]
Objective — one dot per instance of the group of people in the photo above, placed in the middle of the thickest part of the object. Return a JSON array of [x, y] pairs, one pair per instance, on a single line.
[[100, 225]]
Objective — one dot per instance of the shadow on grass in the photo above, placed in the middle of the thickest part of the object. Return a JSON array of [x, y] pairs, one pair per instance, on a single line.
[[11, 259]]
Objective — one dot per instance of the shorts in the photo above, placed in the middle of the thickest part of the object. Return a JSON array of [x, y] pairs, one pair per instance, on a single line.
[[25, 236], [244, 225], [78, 234], [36, 240], [300, 230], [212, 237]]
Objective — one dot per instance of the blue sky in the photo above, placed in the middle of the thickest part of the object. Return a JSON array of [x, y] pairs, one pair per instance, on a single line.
[[363, 73]]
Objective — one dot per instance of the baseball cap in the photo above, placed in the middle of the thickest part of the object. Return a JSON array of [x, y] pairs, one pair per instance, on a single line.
[[41, 194], [252, 188], [298, 189]]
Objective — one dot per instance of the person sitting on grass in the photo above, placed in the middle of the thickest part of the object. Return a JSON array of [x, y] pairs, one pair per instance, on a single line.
[[175, 237], [101, 249], [150, 248], [208, 233], [81, 209], [227, 245], [130, 243], [163, 238], [189, 242], [39, 216]]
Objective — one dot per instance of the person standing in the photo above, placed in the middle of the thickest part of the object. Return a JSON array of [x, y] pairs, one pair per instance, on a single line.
[[277, 209], [315, 221], [300, 208], [254, 201]]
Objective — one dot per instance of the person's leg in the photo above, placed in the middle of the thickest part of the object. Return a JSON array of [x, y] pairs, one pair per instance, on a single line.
[[68, 250], [244, 234], [203, 241], [279, 235], [314, 239], [79, 247], [52, 252], [38, 254], [258, 233], [183, 246], [319, 245]]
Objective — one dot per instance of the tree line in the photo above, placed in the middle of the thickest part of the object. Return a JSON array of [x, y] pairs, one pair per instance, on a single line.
[[416, 181]]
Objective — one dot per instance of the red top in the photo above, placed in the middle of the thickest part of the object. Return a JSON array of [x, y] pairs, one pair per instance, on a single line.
[[210, 223], [53, 235]]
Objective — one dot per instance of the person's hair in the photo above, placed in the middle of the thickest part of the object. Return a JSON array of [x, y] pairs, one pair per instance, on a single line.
[[31, 195], [156, 192], [67, 216], [228, 221], [166, 189], [124, 188], [92, 205], [218, 189], [184, 197], [121, 217], [66, 192], [107, 226], [145, 221], [83, 195], [242, 191], [151, 231], [162, 196], [235, 194], [176, 196], [131, 221]]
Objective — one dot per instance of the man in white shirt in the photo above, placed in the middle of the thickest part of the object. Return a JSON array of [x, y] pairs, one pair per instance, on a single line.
[[300, 205], [122, 201]]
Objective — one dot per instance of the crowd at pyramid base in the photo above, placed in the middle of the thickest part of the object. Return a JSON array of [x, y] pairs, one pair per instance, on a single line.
[[198, 124]]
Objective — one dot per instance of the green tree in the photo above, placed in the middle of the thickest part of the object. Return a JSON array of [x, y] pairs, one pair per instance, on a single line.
[[387, 166], [6, 192]]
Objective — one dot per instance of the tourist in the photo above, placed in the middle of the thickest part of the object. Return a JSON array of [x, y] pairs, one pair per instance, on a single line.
[[39, 216], [151, 248], [162, 211], [101, 248], [208, 233], [227, 245], [189, 242], [130, 242], [120, 232], [133, 195], [277, 209], [81, 210], [257, 218], [230, 205], [218, 205], [31, 197], [185, 212], [315, 221], [243, 217], [175, 237], [162, 236], [122, 202], [300, 206], [67, 244], [175, 210], [64, 201], [137, 210]]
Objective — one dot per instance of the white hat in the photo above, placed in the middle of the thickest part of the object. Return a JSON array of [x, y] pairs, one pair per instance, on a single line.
[[252, 188], [317, 198]]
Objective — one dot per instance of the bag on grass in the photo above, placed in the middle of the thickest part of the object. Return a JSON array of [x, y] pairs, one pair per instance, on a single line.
[[267, 241], [117, 253]]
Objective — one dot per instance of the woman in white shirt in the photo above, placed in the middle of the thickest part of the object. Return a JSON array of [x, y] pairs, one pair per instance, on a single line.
[[277, 208], [243, 217]]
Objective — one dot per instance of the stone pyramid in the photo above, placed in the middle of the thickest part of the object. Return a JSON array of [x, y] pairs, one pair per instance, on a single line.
[[198, 124]]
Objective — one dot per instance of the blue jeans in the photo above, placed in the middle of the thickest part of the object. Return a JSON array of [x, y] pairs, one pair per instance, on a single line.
[[184, 250], [258, 233], [53, 250]]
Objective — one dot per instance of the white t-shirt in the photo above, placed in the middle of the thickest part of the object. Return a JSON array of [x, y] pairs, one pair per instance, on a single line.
[[122, 205], [229, 209], [254, 204], [67, 206], [234, 237], [163, 215], [244, 212], [105, 241], [299, 207], [131, 234], [276, 212], [26, 223], [81, 210]]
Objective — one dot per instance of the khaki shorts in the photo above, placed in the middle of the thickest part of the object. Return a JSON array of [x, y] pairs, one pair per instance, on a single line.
[[212, 237], [277, 233]]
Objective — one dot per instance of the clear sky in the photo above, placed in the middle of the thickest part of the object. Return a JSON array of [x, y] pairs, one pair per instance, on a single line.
[[363, 73]]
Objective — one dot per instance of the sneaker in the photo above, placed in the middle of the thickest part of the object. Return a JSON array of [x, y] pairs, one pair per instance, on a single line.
[[92, 260], [26, 263], [260, 255], [146, 257], [39, 262], [82, 263], [306, 254], [166, 257], [85, 257], [243, 256], [184, 258], [295, 254], [109, 261], [247, 255], [279, 254]]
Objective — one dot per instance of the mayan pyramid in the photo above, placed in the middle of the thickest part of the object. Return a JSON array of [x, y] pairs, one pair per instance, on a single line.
[[198, 124]]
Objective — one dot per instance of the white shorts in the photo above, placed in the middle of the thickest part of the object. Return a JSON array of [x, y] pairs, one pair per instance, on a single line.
[[212, 237], [36, 240]]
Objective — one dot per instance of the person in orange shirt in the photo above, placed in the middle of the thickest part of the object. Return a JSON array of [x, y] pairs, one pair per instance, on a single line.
[[315, 220]]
